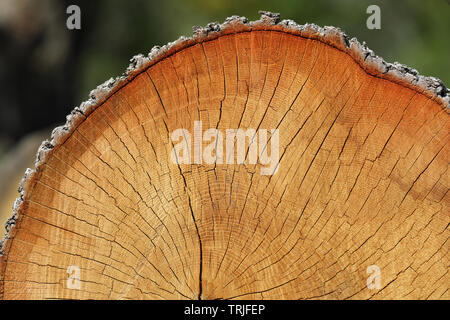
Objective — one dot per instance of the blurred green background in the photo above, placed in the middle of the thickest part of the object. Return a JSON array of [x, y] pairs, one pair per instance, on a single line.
[[46, 69]]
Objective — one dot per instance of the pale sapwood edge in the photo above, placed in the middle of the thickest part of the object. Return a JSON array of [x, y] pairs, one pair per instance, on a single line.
[[332, 36]]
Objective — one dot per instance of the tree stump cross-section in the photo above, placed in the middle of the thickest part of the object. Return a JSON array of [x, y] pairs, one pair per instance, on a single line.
[[356, 206]]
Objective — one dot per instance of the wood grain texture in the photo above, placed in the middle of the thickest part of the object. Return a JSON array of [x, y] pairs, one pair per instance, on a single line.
[[363, 180]]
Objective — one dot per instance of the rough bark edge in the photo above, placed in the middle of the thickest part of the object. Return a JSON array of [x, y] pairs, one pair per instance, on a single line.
[[371, 63]]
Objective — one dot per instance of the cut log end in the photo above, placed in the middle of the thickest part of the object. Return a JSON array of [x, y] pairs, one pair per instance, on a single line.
[[356, 206]]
